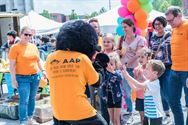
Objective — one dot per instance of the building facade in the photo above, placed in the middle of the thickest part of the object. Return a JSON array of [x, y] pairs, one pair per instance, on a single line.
[[22, 6]]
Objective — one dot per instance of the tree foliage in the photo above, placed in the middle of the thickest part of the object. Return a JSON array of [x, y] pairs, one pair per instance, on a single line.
[[73, 15], [46, 14], [95, 13], [162, 5]]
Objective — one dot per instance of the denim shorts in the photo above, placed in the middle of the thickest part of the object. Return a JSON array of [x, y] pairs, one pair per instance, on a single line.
[[139, 104]]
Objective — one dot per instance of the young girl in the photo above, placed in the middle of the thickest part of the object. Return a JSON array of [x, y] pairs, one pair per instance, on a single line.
[[143, 56], [111, 92]]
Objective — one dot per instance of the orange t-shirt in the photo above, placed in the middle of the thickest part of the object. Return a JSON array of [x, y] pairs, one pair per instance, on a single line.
[[26, 57], [68, 73], [100, 42], [179, 47]]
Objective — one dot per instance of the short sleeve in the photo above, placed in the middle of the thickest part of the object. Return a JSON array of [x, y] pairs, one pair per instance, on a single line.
[[13, 53], [142, 41], [153, 88], [90, 73]]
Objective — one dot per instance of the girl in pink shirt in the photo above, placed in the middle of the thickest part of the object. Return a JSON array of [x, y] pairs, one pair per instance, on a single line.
[[143, 56]]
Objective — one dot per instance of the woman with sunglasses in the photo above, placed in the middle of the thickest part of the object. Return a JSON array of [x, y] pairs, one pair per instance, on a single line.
[[160, 45], [24, 67]]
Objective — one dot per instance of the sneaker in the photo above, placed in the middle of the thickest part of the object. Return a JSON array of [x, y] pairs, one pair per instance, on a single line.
[[166, 120], [31, 121], [130, 120]]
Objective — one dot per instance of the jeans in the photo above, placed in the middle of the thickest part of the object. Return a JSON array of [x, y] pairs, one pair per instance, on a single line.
[[177, 81], [164, 86], [27, 89], [95, 120], [128, 91]]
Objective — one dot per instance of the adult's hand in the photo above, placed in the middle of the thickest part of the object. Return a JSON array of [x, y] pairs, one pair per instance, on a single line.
[[15, 83]]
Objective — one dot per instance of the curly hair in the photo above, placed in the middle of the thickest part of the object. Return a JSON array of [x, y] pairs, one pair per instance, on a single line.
[[77, 36]]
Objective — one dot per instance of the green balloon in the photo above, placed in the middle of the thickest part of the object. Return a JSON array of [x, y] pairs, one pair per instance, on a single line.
[[147, 7], [144, 1]]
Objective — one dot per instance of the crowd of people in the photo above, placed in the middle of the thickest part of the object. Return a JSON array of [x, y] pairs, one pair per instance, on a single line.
[[81, 64]]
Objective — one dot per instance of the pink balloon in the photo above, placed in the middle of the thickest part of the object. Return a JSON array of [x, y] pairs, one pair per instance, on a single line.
[[124, 2], [123, 11], [138, 31], [131, 17]]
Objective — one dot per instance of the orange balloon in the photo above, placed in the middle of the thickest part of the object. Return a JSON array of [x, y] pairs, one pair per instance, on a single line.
[[133, 5], [143, 33], [140, 15], [142, 24]]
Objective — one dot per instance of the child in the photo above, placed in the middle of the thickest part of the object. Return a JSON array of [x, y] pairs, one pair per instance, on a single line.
[[111, 91], [143, 56], [153, 110]]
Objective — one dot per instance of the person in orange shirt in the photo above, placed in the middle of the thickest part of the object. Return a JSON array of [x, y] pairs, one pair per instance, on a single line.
[[179, 70], [24, 67], [69, 70], [95, 24]]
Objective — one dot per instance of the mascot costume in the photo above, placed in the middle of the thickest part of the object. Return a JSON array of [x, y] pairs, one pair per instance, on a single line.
[[70, 70]]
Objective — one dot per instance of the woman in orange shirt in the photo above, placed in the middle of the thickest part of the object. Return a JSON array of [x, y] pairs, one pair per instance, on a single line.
[[24, 67]]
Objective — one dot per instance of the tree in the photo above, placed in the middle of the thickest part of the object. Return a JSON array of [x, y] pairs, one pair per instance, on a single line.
[[102, 10], [95, 13], [176, 3], [46, 14], [164, 6], [73, 15]]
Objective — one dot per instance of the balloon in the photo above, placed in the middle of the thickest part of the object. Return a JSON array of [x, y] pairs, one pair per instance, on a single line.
[[144, 1], [122, 11], [142, 24], [119, 20], [138, 31], [124, 2], [133, 5], [147, 7], [143, 33], [119, 30], [131, 17], [140, 15]]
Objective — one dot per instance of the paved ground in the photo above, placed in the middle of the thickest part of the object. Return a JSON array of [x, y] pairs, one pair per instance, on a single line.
[[136, 118]]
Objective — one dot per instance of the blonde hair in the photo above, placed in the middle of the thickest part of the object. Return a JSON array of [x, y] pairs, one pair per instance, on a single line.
[[114, 57], [23, 29], [157, 65], [111, 37], [146, 52]]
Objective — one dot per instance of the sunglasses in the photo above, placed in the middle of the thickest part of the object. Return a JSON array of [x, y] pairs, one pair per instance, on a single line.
[[26, 34]]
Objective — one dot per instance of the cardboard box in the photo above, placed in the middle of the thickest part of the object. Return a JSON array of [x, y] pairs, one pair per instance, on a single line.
[[43, 110]]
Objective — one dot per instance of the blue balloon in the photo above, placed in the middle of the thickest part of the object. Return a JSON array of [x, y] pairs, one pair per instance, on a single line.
[[119, 20], [119, 30]]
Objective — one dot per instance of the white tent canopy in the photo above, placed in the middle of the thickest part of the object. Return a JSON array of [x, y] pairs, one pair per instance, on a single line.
[[40, 24], [108, 20]]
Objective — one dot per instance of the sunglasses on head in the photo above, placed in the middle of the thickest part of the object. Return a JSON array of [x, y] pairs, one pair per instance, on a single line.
[[26, 34]]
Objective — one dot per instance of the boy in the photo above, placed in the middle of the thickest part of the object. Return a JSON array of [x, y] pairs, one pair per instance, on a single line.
[[153, 111]]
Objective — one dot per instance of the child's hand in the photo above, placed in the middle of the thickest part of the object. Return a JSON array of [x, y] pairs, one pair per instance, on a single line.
[[110, 68], [124, 70], [187, 82]]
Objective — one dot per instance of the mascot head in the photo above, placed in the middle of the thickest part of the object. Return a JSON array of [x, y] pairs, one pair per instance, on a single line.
[[78, 36]]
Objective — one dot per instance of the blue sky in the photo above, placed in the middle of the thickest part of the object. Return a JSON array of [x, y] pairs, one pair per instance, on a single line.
[[80, 6]]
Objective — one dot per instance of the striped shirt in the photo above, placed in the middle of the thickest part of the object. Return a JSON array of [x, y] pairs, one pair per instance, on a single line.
[[164, 51], [152, 100]]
